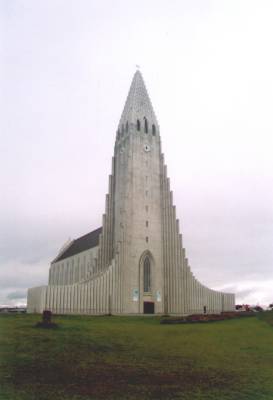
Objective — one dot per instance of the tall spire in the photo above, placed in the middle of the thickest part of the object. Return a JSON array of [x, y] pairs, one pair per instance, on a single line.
[[138, 104]]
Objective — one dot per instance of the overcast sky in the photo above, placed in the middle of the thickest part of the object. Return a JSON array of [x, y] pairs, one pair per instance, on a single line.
[[65, 70]]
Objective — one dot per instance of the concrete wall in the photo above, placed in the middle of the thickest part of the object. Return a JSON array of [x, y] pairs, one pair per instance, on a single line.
[[36, 299], [74, 269], [101, 295]]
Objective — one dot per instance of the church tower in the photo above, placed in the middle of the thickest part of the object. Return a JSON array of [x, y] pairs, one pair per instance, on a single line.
[[135, 263], [138, 201]]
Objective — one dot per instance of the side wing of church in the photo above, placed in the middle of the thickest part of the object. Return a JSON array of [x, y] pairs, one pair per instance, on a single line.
[[135, 263]]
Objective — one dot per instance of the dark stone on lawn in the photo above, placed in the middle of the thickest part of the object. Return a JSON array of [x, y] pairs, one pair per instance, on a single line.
[[46, 321]]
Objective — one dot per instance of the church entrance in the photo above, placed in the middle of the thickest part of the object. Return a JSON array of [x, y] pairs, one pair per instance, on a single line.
[[149, 307]]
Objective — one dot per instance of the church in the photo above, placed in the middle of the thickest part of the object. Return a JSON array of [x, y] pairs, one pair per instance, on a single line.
[[135, 263]]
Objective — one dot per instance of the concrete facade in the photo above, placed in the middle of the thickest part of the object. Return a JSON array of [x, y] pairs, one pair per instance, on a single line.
[[139, 263]]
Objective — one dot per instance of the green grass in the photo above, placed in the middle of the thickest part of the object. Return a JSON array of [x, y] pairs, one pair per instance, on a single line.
[[135, 358]]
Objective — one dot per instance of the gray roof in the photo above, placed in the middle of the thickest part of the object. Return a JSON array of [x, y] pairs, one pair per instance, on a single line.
[[83, 243], [138, 104]]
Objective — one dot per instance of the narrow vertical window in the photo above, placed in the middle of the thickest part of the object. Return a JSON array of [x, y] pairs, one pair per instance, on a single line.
[[146, 208], [138, 125], [145, 125], [153, 130], [147, 239], [147, 224], [147, 275], [127, 126]]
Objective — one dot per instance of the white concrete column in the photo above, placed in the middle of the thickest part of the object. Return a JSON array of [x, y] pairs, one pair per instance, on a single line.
[[58, 299], [167, 247], [194, 296], [80, 296], [96, 296]]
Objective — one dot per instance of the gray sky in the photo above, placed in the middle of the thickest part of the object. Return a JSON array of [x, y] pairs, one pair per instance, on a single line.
[[65, 70]]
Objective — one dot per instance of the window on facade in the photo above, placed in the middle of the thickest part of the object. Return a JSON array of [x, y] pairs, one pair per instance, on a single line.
[[138, 125], [127, 126], [147, 208], [153, 129], [145, 125], [147, 239], [147, 223], [147, 274]]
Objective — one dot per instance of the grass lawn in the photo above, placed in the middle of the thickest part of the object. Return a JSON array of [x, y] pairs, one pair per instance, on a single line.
[[135, 358]]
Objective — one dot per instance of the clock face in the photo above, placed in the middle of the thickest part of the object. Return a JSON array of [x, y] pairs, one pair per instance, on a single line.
[[147, 148]]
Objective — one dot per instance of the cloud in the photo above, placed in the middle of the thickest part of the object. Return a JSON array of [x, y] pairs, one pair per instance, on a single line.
[[16, 277], [250, 291], [18, 295]]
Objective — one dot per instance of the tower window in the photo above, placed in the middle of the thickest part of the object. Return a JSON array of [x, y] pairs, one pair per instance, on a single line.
[[145, 125], [147, 239], [147, 224], [122, 128], [153, 130], [127, 126], [138, 125], [147, 275], [146, 208]]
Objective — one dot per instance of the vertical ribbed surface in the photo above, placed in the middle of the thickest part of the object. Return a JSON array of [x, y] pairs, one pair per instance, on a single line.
[[183, 294], [106, 240]]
